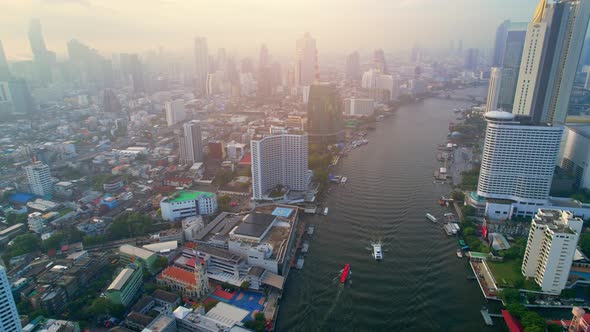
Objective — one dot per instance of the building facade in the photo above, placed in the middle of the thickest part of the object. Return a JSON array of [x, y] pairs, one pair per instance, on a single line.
[[550, 248], [279, 160], [9, 319], [575, 154], [39, 178], [359, 106], [185, 204], [324, 114], [175, 111], [306, 61], [191, 144], [125, 287], [494, 89]]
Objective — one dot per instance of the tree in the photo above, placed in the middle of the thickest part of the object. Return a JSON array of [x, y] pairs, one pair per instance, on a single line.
[[223, 202], [516, 309], [162, 262], [245, 285], [209, 305], [468, 211], [24, 244], [509, 295], [533, 322], [257, 324], [458, 195]]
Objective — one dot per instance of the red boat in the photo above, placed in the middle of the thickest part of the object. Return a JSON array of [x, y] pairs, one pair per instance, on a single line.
[[345, 273]]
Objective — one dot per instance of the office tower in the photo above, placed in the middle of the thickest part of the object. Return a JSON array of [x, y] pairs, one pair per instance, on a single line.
[[39, 178], [41, 56], [471, 59], [550, 248], [9, 319], [137, 74], [550, 58], [575, 154], [264, 57], [4, 70], [306, 61], [513, 45], [379, 62], [518, 159], [353, 66], [20, 95], [279, 159], [110, 102], [324, 114], [86, 64], [585, 57], [201, 66], [175, 111], [500, 43], [587, 81], [6, 106], [265, 82], [191, 145], [416, 54], [494, 89]]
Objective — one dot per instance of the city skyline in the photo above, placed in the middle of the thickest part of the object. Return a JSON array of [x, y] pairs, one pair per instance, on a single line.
[[132, 27]]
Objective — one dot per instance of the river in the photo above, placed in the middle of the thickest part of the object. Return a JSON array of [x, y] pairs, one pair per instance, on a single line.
[[421, 284]]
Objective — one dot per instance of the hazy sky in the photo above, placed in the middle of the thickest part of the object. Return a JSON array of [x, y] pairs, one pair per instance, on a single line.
[[241, 25]]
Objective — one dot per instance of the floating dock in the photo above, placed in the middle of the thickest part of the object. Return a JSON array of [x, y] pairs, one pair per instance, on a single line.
[[486, 317]]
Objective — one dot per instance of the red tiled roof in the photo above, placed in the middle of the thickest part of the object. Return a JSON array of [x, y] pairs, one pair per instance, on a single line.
[[512, 323], [192, 262], [247, 160], [190, 245], [179, 274]]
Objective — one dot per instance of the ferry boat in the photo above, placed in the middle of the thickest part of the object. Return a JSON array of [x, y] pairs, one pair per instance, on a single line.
[[459, 253], [377, 251], [345, 273], [431, 217]]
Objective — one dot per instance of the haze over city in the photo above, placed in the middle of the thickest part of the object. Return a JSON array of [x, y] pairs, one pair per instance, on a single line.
[[341, 26]]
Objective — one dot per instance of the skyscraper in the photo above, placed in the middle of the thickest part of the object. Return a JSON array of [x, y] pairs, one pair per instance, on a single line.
[[494, 89], [137, 74], [510, 59], [518, 159], [175, 111], [306, 61], [550, 58], [21, 97], [43, 58], [201, 65], [500, 43], [471, 59], [379, 62], [324, 114], [353, 66], [4, 70], [279, 159], [416, 54], [264, 57], [190, 145], [39, 178], [9, 319], [110, 102]]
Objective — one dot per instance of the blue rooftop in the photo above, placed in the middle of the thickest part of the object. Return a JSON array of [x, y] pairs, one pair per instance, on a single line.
[[21, 198], [282, 212]]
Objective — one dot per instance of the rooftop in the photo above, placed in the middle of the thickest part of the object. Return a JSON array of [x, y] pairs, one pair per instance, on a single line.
[[227, 314], [165, 296], [186, 195], [583, 130], [121, 279], [254, 224], [179, 274], [135, 251]]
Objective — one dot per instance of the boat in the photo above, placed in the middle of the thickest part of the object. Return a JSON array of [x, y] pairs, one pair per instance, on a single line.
[[345, 273], [431, 217], [325, 211], [343, 180], [459, 253], [299, 264], [377, 251]]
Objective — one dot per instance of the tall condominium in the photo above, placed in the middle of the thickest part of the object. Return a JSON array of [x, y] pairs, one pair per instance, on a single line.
[[494, 89], [279, 159], [175, 111], [191, 145], [9, 319], [353, 66], [306, 61], [518, 159], [550, 248], [39, 178], [552, 50], [324, 114], [201, 65], [508, 48]]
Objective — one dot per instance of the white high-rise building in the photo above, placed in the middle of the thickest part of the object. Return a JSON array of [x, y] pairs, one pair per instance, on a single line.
[[39, 178], [374, 79], [201, 65], [191, 145], [279, 160], [306, 61], [552, 50], [175, 111], [518, 160], [550, 248], [9, 319], [494, 89]]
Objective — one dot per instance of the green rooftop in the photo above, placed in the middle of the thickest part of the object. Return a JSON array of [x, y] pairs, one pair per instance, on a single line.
[[186, 195]]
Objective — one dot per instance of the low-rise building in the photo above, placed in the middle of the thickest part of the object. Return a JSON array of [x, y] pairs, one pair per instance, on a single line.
[[126, 285], [130, 254], [193, 284], [185, 204]]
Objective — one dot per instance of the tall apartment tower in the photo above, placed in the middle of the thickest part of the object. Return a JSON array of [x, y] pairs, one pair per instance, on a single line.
[[518, 159], [39, 178], [201, 65], [9, 319], [279, 159], [306, 61], [494, 89], [191, 145], [550, 248], [552, 50], [175, 111]]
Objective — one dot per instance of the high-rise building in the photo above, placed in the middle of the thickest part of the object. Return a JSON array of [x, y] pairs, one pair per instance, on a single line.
[[279, 159], [264, 57], [471, 59], [191, 145], [381, 87], [500, 43], [39, 177], [4, 70], [353, 66], [550, 58], [494, 89], [9, 319], [43, 58], [416, 54], [201, 65], [137, 74], [359, 107], [175, 111], [110, 102], [379, 61], [518, 159], [6, 106], [324, 114], [550, 248], [306, 61], [20, 95]]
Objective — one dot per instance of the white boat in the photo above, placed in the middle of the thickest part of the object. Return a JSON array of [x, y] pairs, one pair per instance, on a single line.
[[431, 217], [377, 251], [325, 211], [459, 253], [343, 180]]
